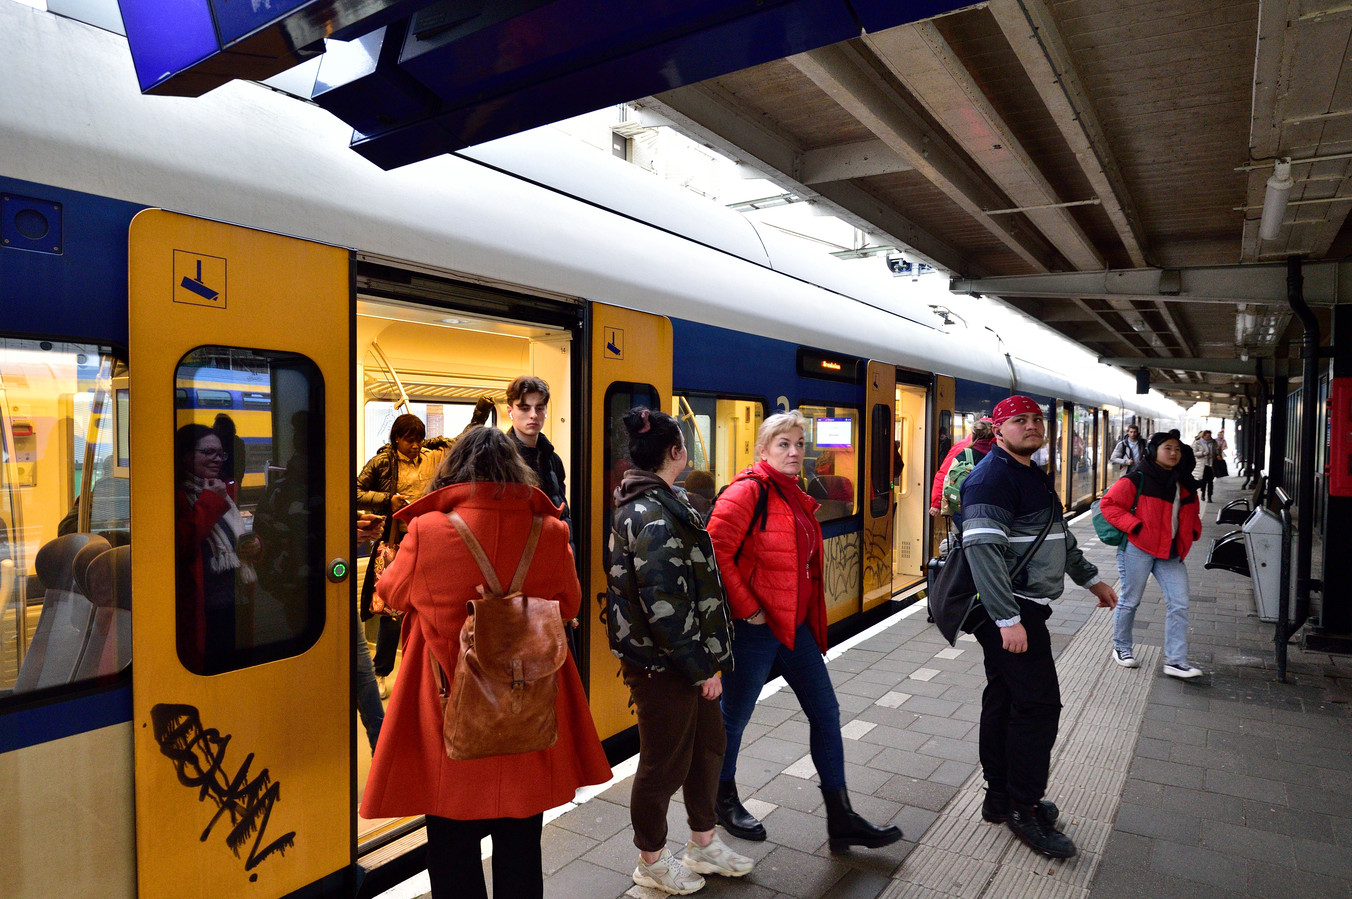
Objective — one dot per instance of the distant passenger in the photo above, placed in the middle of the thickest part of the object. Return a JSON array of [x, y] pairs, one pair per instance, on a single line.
[[945, 497], [1006, 502], [395, 476], [700, 489], [770, 553], [1204, 451], [431, 580], [528, 409], [1159, 533], [215, 554], [236, 454], [668, 625], [1128, 452]]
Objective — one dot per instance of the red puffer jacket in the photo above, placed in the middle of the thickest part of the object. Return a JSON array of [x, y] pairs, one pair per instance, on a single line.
[[1150, 528], [767, 574]]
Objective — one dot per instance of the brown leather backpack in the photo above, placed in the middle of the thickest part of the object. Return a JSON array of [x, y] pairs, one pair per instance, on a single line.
[[506, 676]]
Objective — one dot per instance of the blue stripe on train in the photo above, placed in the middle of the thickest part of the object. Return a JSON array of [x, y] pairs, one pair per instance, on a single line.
[[65, 718]]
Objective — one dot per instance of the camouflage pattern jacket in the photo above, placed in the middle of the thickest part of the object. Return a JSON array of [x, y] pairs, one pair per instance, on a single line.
[[665, 606]]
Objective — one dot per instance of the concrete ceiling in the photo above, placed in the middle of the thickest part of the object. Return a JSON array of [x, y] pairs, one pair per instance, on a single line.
[[1022, 145]]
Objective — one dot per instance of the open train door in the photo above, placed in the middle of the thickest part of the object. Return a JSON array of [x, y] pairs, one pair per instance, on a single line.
[[243, 625], [881, 452], [631, 363]]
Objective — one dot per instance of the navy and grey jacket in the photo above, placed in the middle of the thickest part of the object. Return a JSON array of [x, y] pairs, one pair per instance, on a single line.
[[666, 607], [1004, 506]]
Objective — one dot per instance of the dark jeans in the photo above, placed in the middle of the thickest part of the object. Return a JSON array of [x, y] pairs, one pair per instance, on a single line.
[[755, 651], [680, 747], [1020, 708], [456, 871], [387, 644], [1208, 483]]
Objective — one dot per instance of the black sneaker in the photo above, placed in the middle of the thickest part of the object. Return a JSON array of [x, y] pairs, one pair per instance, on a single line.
[[995, 809], [1028, 827]]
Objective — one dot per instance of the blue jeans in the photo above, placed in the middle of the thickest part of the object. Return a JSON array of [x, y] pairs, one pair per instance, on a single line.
[[369, 706], [1172, 575], [754, 652]]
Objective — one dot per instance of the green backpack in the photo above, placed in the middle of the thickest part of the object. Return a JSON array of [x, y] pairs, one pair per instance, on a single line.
[[962, 466]]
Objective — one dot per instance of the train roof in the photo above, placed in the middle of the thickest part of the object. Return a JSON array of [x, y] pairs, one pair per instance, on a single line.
[[73, 117]]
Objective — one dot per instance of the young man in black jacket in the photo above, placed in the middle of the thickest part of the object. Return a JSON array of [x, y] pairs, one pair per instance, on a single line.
[[527, 408]]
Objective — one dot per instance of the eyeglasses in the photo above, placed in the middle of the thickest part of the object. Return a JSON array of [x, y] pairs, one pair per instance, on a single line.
[[211, 454]]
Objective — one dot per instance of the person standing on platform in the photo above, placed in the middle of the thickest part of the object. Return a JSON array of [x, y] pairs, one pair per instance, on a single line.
[[668, 624], [770, 553], [1006, 502], [1204, 452], [1129, 451], [1159, 532]]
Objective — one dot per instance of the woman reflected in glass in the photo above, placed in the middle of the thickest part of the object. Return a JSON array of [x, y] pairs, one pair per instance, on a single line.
[[215, 553]]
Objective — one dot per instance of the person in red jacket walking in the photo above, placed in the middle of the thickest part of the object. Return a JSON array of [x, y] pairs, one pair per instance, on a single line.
[[769, 550], [1160, 532]]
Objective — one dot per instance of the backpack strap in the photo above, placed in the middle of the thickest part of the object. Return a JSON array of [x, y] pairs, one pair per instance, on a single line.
[[481, 558], [761, 512]]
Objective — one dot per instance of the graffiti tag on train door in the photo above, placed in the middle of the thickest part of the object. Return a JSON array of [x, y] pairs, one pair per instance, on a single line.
[[198, 755]]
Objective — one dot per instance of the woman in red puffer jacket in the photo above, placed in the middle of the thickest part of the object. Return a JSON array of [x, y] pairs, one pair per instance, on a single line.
[[769, 550], [1160, 531]]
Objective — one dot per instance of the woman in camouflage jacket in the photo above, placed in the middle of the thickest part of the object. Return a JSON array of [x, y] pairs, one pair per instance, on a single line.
[[667, 619]]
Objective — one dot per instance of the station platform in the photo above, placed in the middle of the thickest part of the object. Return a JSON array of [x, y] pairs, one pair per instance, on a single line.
[[1229, 785]]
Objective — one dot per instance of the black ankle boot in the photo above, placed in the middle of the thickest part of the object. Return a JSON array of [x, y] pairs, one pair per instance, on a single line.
[[847, 828], [995, 809], [734, 817], [1027, 826]]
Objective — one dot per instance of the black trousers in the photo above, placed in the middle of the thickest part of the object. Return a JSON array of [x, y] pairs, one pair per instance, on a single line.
[[1208, 485], [387, 644], [456, 870], [1020, 708]]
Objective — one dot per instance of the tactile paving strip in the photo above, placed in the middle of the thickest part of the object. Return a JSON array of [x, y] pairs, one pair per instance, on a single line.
[[962, 857]]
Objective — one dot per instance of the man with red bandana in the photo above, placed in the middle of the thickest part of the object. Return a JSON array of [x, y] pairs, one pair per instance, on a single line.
[[1006, 501]]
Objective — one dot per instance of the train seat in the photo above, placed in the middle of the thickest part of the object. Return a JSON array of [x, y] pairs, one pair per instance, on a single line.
[[106, 582], [54, 655], [835, 493]]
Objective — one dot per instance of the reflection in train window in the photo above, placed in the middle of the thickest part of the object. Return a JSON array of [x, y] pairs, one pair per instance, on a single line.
[[65, 515], [831, 459], [249, 507], [720, 440]]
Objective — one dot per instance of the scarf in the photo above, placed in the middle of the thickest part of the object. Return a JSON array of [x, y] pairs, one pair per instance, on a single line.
[[220, 541]]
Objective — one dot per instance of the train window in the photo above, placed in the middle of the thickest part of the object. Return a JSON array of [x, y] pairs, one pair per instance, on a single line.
[[886, 457], [65, 520], [443, 419], [1082, 455], [249, 501], [621, 396], [720, 440], [831, 461]]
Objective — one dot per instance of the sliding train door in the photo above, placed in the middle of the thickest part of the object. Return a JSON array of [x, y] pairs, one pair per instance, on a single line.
[[242, 493], [631, 364], [911, 482], [881, 454], [945, 402]]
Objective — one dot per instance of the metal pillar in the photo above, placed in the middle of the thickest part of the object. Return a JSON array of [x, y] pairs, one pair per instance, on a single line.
[[1309, 420]]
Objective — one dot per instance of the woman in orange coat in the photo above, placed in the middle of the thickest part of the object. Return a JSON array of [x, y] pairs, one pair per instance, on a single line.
[[431, 579], [769, 550]]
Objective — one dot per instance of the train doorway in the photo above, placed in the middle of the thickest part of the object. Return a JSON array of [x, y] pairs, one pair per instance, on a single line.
[[910, 496], [449, 364]]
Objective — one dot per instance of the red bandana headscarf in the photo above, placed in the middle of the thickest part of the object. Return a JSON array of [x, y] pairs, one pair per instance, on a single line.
[[1015, 405]]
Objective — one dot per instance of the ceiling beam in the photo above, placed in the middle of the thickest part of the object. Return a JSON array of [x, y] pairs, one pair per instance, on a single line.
[[1205, 366], [845, 76], [1325, 283], [843, 162], [1033, 34], [709, 115], [921, 59]]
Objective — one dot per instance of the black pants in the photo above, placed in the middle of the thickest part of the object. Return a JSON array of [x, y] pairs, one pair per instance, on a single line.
[[456, 871], [1208, 485], [387, 644], [1020, 708]]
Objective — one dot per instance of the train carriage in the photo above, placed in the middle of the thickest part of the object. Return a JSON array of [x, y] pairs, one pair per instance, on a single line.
[[254, 266]]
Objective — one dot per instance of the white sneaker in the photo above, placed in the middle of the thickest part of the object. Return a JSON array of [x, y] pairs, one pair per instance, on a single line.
[[1182, 670], [716, 858], [668, 875], [383, 687], [1124, 658]]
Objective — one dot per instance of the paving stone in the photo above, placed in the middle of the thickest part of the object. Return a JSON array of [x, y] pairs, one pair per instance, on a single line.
[[583, 880], [1193, 863], [597, 819], [910, 791], [1254, 845], [796, 873]]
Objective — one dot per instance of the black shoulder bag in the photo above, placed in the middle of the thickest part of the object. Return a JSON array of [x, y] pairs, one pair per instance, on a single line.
[[952, 593]]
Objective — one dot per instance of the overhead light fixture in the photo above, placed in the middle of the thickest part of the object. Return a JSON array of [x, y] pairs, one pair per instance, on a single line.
[[453, 321], [1274, 200], [1142, 380]]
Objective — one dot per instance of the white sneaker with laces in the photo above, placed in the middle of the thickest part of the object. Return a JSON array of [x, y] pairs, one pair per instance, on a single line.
[[1182, 670], [716, 858], [1124, 658], [668, 875]]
